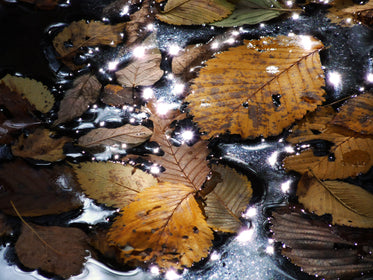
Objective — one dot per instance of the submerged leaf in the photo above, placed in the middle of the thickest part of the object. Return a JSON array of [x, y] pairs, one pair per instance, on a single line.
[[163, 225], [112, 183], [227, 201], [57, 250], [115, 95], [259, 88]]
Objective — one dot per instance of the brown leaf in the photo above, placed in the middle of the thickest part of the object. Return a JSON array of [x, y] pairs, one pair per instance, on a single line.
[[84, 34], [57, 250], [76, 101], [37, 191], [163, 225], [127, 135], [98, 240], [248, 91], [347, 13], [317, 249], [356, 114], [348, 204], [112, 183], [40, 145], [227, 201], [115, 95]]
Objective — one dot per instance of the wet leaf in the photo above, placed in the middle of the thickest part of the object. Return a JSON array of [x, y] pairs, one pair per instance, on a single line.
[[163, 225], [356, 114], [247, 91], [63, 251], [136, 28], [115, 95], [81, 34], [37, 191], [35, 92], [348, 204], [190, 12], [347, 13], [112, 183], [128, 136], [40, 145], [228, 200], [252, 12], [85, 91], [317, 249]]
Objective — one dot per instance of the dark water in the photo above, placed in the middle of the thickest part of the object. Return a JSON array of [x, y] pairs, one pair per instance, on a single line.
[[25, 48]]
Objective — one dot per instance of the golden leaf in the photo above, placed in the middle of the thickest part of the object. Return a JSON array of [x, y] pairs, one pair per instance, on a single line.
[[258, 88], [112, 183], [226, 202], [35, 92], [164, 225], [348, 204], [189, 12]]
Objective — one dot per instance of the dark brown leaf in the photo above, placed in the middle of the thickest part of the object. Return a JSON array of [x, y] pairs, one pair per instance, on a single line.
[[115, 95]]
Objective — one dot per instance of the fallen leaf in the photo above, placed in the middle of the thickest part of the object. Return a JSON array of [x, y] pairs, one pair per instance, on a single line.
[[127, 135], [57, 250], [252, 12], [40, 145], [98, 240], [247, 91], [81, 34], [35, 92], [348, 204], [347, 13], [111, 183], [137, 27], [191, 12], [115, 95], [85, 91], [228, 200], [356, 114], [37, 191], [43, 4], [317, 249], [164, 225]]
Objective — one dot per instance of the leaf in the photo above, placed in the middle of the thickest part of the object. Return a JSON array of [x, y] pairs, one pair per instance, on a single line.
[[317, 249], [258, 88], [39, 145], [81, 34], [35, 92], [37, 191], [347, 12], [183, 164], [350, 155], [127, 135], [163, 225], [115, 95], [76, 101], [356, 114], [348, 204], [112, 183], [252, 12], [64, 255], [190, 12], [226, 202], [143, 71]]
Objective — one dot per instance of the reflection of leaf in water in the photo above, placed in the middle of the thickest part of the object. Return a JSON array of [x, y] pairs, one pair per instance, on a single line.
[[163, 225], [258, 88]]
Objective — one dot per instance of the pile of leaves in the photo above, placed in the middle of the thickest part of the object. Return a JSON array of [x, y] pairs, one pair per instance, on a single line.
[[168, 215]]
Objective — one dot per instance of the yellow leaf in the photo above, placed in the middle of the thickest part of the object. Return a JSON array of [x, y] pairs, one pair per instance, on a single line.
[[348, 204], [112, 183], [164, 225], [258, 88], [35, 92]]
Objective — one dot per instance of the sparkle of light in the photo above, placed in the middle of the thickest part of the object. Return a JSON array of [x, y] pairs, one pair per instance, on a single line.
[[306, 42], [102, 123], [295, 16], [245, 235], [171, 275], [174, 49], [154, 270], [262, 25], [289, 3], [147, 93], [334, 78], [273, 158], [270, 250], [289, 149], [370, 77], [178, 88], [285, 187], [139, 51], [215, 45], [163, 108], [124, 10], [187, 135], [150, 27], [214, 256], [272, 69], [250, 213], [230, 41], [154, 169], [112, 65]]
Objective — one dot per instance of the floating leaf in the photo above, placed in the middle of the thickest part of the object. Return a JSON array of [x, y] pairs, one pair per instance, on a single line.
[[356, 114], [57, 250], [128, 135], [76, 101], [259, 88], [39, 145], [115, 95], [35, 92], [163, 225], [189, 12], [112, 183], [226, 202], [136, 28], [348, 204], [317, 249], [37, 191], [252, 12]]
